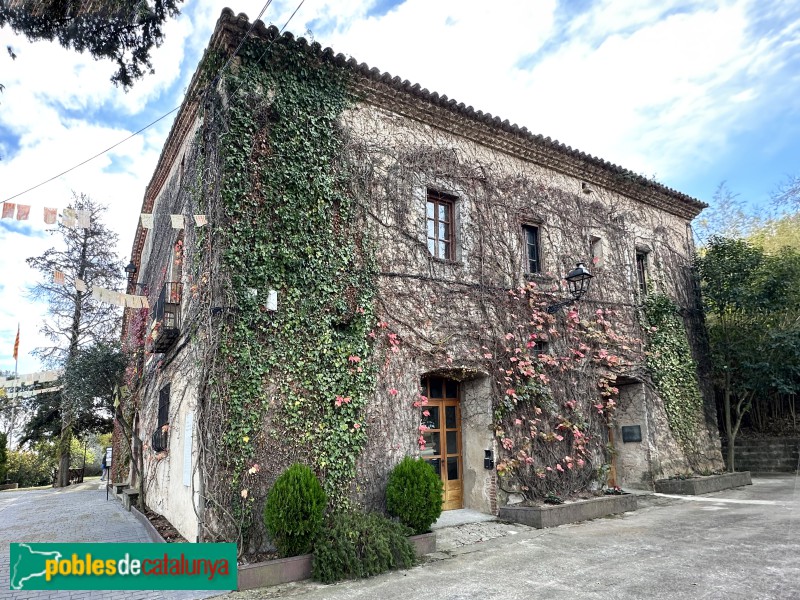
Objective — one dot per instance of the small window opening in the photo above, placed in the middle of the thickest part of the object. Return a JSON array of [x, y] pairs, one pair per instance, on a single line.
[[160, 435], [596, 250], [163, 406], [641, 271], [440, 222], [533, 262]]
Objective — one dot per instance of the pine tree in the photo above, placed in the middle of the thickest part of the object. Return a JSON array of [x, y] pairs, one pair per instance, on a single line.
[[124, 31], [89, 382], [77, 319]]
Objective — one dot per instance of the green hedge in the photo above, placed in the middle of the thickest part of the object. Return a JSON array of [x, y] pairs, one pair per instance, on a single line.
[[356, 545], [294, 510]]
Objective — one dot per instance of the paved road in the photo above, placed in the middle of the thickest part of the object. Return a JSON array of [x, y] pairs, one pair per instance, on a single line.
[[74, 514], [732, 545]]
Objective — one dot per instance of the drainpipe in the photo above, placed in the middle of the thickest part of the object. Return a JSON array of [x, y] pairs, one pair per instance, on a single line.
[[201, 500]]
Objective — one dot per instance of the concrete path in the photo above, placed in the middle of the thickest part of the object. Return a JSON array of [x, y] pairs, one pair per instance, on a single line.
[[463, 516], [75, 514], [732, 545]]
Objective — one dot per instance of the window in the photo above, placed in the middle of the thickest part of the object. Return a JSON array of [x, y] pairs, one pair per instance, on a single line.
[[596, 250], [163, 406], [641, 271], [161, 434], [440, 225], [539, 348], [533, 262], [175, 268]]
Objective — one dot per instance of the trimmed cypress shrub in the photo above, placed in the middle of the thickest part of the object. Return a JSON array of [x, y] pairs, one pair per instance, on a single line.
[[294, 510], [356, 545], [414, 494]]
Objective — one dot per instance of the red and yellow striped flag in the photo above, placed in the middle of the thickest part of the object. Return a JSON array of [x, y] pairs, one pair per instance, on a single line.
[[16, 345]]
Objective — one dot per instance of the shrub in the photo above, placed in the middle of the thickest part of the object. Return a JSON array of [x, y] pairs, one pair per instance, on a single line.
[[414, 494], [356, 545], [30, 468], [294, 510], [3, 458]]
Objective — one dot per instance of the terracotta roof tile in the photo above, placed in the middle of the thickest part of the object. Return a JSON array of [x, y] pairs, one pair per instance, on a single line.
[[414, 89]]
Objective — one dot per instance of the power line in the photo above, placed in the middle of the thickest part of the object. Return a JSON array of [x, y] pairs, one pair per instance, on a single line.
[[54, 177], [259, 59], [285, 25], [241, 43], [219, 74]]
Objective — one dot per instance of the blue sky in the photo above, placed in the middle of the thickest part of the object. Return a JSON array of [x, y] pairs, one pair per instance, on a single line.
[[691, 92]]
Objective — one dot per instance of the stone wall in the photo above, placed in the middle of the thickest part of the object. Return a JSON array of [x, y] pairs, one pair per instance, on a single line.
[[444, 310], [441, 311], [171, 478], [766, 454]]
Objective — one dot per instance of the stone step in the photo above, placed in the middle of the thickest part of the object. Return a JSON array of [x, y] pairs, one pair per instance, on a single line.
[[119, 487], [129, 497]]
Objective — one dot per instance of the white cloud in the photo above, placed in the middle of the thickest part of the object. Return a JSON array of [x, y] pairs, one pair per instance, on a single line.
[[465, 49], [664, 82], [14, 306], [657, 87]]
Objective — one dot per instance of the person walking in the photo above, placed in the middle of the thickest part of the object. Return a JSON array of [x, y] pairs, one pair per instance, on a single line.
[[105, 468]]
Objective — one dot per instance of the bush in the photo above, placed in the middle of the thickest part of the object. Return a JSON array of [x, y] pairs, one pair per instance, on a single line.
[[414, 494], [294, 510], [356, 545], [3, 458], [30, 468]]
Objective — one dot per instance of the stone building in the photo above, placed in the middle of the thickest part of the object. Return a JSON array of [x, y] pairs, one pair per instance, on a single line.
[[372, 282]]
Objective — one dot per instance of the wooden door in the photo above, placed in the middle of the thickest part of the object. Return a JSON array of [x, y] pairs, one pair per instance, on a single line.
[[442, 417]]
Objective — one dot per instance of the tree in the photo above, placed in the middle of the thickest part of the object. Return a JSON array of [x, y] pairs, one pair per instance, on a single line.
[[77, 319], [89, 381], [788, 194], [124, 31], [774, 234], [752, 301], [18, 401], [31, 467], [727, 216], [45, 418], [8, 413]]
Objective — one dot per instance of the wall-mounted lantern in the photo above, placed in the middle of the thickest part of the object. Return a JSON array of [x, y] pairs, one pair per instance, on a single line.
[[578, 283], [130, 271]]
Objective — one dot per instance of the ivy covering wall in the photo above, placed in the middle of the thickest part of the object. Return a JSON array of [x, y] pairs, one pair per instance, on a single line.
[[674, 372], [291, 384]]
